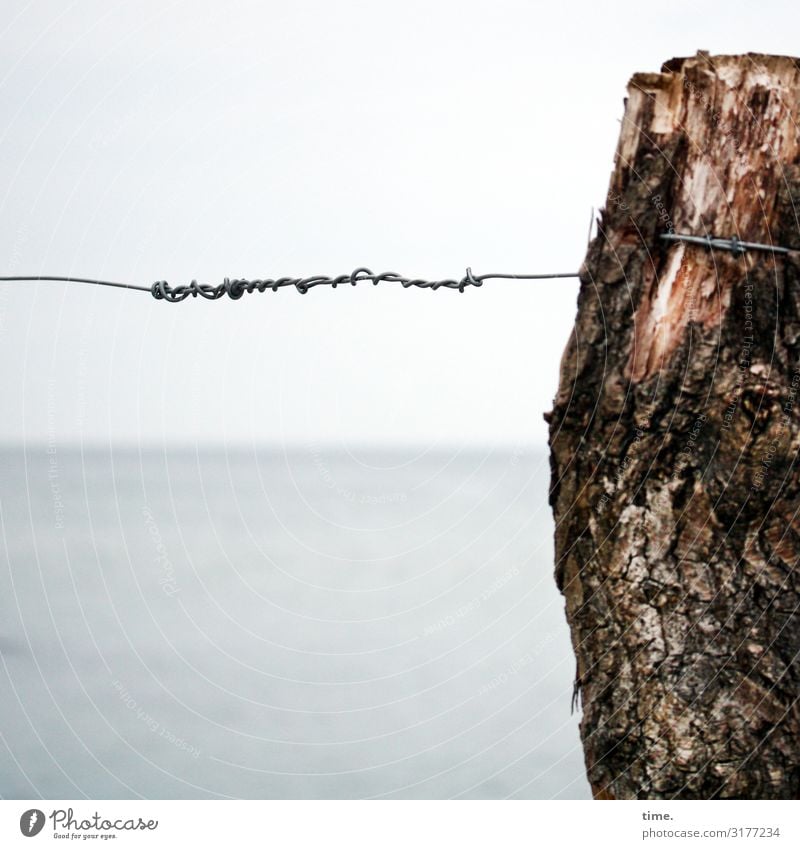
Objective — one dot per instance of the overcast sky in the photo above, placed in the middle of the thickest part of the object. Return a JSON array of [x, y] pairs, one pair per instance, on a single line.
[[158, 140]]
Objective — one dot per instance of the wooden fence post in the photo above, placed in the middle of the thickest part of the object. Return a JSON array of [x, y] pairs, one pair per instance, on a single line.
[[674, 444]]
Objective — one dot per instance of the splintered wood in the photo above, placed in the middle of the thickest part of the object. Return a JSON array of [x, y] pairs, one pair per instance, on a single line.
[[736, 125]]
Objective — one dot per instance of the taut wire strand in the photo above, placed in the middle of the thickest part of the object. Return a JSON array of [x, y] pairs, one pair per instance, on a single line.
[[235, 288], [77, 280]]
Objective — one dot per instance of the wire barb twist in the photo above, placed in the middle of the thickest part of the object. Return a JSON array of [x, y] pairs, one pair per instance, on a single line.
[[235, 288]]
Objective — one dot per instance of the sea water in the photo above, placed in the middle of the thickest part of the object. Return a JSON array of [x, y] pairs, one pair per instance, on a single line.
[[269, 623]]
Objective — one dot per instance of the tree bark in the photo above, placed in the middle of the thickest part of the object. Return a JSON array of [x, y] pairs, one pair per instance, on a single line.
[[674, 444]]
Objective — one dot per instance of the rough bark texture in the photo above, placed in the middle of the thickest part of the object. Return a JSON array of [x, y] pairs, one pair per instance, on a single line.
[[674, 444]]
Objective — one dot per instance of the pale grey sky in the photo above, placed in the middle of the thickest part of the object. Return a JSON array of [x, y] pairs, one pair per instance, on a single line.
[[154, 140]]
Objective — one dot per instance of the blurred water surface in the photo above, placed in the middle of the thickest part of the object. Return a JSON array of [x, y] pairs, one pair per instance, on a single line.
[[282, 624]]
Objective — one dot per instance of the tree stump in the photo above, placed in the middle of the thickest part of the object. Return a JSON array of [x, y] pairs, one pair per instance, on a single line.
[[674, 444]]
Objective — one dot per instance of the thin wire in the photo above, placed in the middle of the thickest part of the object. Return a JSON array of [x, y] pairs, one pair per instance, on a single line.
[[161, 290], [483, 277], [79, 280]]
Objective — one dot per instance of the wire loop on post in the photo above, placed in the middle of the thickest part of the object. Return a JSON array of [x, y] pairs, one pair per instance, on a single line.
[[733, 245]]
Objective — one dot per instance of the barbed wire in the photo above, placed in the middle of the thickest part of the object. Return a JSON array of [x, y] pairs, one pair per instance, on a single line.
[[235, 288]]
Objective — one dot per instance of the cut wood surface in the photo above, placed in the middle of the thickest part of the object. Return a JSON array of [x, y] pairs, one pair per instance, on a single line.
[[674, 444]]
